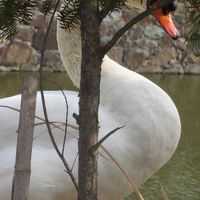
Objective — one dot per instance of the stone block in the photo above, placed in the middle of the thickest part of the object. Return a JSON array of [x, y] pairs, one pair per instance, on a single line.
[[25, 34], [17, 54], [135, 59], [192, 69], [116, 53]]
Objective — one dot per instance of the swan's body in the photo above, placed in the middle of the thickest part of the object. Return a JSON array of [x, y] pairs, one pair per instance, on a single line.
[[148, 140]]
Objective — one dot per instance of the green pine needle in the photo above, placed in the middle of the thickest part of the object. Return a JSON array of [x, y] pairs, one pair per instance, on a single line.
[[194, 27], [69, 15], [13, 12], [47, 7]]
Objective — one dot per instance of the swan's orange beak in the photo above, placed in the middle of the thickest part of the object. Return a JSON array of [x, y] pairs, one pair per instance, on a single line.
[[166, 23]]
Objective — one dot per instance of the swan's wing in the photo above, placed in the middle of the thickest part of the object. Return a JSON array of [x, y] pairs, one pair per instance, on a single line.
[[48, 178]]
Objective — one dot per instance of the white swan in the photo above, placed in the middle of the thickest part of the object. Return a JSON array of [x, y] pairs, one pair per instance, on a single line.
[[148, 140]]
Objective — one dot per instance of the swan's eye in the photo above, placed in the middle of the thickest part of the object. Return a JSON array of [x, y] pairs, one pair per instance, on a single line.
[[172, 6], [169, 7]]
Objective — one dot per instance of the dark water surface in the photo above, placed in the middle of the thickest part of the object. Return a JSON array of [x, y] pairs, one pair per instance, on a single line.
[[180, 177], [11, 82]]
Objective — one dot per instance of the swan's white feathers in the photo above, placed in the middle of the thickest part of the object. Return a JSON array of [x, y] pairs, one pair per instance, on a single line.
[[143, 127], [148, 140]]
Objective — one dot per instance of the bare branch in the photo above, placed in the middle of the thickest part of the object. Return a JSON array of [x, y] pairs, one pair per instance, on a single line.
[[125, 28], [44, 104], [97, 145], [66, 121], [132, 22], [66, 118], [40, 118], [72, 167], [51, 122]]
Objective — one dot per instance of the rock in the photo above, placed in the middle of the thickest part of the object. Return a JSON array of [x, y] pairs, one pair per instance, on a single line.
[[5, 69], [51, 43], [25, 34], [116, 53], [103, 30], [150, 44], [164, 42], [154, 32], [136, 34], [128, 14], [105, 40], [2, 42], [52, 61], [146, 21], [2, 50], [162, 58], [38, 39], [17, 54], [145, 47], [180, 44], [34, 62], [176, 69], [135, 59], [192, 69], [191, 58], [149, 68], [117, 21], [40, 22]]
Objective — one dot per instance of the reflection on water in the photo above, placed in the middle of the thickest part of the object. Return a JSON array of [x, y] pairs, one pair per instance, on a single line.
[[181, 176], [10, 82]]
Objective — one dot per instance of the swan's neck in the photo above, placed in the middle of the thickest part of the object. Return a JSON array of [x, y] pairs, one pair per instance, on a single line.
[[69, 45]]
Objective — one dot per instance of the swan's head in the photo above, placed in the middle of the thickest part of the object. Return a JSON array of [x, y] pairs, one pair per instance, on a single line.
[[163, 16]]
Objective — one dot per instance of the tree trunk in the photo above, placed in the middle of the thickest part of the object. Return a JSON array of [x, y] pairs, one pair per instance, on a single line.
[[25, 139], [89, 100]]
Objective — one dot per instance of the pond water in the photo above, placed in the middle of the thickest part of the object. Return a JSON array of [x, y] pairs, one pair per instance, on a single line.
[[180, 177]]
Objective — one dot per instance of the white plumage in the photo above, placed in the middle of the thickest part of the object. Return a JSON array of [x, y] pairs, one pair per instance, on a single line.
[[148, 140]]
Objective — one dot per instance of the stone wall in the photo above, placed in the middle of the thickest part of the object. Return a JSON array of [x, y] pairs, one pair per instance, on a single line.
[[23, 54], [145, 48]]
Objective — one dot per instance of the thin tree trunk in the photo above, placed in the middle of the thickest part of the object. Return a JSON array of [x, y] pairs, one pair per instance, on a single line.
[[24, 141], [89, 100]]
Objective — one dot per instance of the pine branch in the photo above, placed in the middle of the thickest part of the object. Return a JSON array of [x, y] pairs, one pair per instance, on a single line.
[[69, 15], [110, 6], [194, 43], [194, 4], [13, 12], [193, 40], [47, 7]]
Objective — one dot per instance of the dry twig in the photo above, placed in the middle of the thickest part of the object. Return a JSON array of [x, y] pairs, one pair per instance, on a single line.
[[98, 144], [44, 104]]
